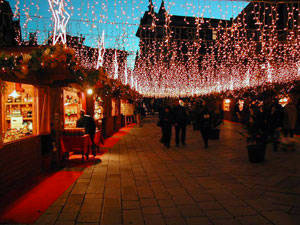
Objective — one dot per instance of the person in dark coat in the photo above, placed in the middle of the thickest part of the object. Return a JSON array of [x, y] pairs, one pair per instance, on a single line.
[[166, 120], [160, 118], [196, 110], [205, 124], [290, 118], [88, 123], [274, 123], [236, 113], [217, 116], [81, 121], [180, 120]]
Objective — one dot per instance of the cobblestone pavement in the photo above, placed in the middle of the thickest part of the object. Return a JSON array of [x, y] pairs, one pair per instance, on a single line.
[[140, 182]]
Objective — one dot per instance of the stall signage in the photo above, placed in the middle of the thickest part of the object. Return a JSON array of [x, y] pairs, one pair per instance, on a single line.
[[16, 122]]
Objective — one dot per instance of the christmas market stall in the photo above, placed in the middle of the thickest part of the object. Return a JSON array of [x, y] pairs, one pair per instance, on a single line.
[[25, 118], [38, 99], [107, 101], [43, 90]]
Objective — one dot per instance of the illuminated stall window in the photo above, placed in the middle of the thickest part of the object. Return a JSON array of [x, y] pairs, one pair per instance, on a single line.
[[226, 105], [113, 107], [19, 117], [98, 108], [126, 108], [72, 107]]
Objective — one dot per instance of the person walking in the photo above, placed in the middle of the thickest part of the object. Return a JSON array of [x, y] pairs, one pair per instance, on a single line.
[[160, 118], [217, 117], [138, 114], [196, 109], [180, 121], [274, 123], [165, 122], [290, 119], [205, 123]]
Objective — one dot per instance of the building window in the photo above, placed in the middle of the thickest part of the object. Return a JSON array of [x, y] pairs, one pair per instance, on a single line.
[[214, 35]]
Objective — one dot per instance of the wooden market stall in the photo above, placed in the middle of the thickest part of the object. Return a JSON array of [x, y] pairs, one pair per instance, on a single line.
[[25, 123], [42, 91], [31, 106]]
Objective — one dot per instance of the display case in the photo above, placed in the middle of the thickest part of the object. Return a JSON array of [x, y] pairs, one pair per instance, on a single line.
[[18, 111], [226, 105], [98, 108], [127, 109], [72, 107]]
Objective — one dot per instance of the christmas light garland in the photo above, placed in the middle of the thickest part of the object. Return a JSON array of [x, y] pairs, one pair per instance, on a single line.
[[238, 56]]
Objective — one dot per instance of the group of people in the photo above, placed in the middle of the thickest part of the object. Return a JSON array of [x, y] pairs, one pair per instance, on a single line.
[[271, 120], [204, 117]]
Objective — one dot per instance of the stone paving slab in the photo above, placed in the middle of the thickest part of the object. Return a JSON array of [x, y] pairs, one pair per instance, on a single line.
[[140, 182]]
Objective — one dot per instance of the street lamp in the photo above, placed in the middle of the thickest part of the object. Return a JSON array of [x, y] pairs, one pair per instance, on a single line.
[[89, 91]]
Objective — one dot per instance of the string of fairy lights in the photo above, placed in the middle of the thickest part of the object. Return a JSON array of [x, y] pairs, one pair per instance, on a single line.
[[241, 54]]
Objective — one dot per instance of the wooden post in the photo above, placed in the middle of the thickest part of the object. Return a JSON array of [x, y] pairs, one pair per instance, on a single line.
[[1, 119], [90, 105], [57, 119]]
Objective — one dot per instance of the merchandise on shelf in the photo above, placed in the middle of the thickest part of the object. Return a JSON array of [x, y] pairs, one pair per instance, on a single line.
[[72, 107], [98, 110], [18, 112]]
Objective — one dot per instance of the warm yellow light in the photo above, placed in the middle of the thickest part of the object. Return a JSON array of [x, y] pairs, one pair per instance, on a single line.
[[283, 101], [227, 101], [14, 94], [90, 91]]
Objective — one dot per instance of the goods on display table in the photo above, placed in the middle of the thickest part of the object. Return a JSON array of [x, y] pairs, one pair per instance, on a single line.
[[72, 107], [18, 111]]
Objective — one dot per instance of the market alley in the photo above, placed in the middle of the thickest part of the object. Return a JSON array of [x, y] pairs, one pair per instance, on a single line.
[[139, 181]]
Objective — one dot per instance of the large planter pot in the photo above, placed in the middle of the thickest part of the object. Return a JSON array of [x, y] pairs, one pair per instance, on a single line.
[[256, 153]]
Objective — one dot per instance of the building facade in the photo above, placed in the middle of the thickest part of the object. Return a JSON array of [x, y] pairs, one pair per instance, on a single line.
[[10, 30], [162, 34]]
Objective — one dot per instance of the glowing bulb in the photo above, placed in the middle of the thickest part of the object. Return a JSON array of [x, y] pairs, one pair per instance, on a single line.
[[14, 94], [90, 91]]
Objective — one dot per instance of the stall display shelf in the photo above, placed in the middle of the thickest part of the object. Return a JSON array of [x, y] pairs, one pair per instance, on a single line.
[[19, 103], [71, 104], [24, 118]]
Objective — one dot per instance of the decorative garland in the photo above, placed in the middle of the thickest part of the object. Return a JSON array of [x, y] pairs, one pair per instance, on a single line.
[[2, 86], [46, 62]]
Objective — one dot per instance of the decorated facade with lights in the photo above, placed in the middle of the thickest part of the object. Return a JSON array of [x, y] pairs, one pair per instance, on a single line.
[[181, 55], [198, 56]]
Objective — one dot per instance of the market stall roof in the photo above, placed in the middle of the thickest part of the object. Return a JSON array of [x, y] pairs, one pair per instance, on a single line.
[[58, 76]]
